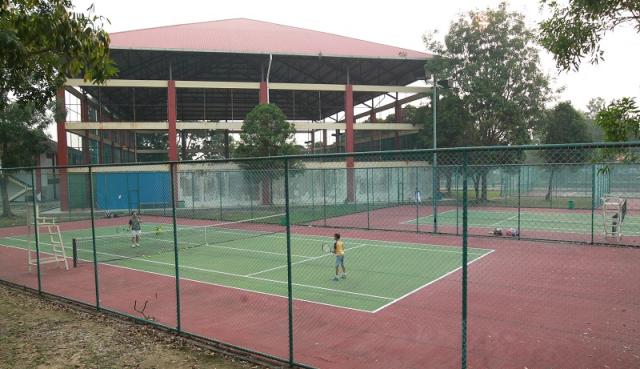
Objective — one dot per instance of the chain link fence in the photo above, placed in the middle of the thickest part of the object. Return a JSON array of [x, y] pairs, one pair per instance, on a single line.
[[467, 257]]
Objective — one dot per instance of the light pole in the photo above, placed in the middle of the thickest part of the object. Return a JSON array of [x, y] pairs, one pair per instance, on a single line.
[[434, 173]]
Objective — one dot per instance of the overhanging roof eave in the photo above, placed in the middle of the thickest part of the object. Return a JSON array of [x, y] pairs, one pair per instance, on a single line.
[[265, 53]]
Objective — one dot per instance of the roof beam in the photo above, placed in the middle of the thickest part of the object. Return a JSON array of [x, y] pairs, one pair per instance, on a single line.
[[235, 126]]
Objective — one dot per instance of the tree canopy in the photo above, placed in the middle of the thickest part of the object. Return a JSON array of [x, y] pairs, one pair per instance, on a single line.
[[22, 138], [574, 31], [266, 132], [620, 120], [492, 58], [43, 42]]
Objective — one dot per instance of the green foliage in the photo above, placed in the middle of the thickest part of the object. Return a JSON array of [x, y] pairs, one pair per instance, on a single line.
[[22, 138], [564, 124], [574, 31], [620, 120], [202, 145], [492, 58], [42, 42], [265, 132], [453, 123]]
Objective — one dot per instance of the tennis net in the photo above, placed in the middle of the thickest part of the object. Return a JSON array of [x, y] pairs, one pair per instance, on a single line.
[[158, 239]]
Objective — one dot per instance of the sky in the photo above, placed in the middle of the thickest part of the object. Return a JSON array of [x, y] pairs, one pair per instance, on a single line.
[[399, 23]]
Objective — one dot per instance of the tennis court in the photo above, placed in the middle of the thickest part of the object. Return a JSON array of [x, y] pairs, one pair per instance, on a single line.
[[564, 222], [379, 273]]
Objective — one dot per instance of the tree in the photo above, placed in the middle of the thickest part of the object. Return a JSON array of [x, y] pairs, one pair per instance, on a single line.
[[22, 138], [265, 132], [594, 106], [43, 42], [574, 31], [563, 124], [620, 120], [492, 58]]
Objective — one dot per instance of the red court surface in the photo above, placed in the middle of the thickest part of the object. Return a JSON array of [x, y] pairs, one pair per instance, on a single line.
[[531, 304]]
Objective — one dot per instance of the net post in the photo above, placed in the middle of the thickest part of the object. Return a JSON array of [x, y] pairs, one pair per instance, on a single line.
[[35, 229], [74, 249], [93, 238], [173, 169], [289, 281], [465, 162], [593, 200]]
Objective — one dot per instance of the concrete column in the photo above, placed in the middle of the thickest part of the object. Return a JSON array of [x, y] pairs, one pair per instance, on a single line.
[[349, 119]]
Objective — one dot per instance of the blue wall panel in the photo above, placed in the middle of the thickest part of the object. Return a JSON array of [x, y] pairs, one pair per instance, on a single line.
[[131, 191]]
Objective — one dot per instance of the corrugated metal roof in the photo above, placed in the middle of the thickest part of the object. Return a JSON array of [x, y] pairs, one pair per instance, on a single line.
[[249, 36]]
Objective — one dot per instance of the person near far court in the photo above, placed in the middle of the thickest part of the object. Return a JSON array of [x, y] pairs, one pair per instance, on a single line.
[[338, 250], [136, 229]]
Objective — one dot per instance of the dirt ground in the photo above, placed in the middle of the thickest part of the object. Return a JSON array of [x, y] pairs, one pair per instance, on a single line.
[[36, 333]]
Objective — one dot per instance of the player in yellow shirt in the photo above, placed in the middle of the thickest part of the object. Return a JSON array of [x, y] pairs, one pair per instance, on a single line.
[[338, 249]]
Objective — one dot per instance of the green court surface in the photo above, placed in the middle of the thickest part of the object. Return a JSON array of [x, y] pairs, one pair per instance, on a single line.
[[379, 273], [566, 222]]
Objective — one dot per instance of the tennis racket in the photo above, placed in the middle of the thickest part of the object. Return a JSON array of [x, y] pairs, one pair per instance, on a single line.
[[327, 248]]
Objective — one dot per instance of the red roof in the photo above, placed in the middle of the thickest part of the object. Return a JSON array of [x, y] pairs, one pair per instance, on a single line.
[[249, 36]]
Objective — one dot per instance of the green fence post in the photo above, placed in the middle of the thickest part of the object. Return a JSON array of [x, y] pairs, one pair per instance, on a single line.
[[415, 195], [35, 225], [193, 195], [368, 204], [324, 196], [465, 226], [519, 201], [593, 200], [389, 186], [457, 207], [313, 196], [289, 282], [219, 194], [434, 190], [93, 238], [174, 194]]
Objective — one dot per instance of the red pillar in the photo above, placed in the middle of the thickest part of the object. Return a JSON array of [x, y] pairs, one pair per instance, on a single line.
[[62, 151], [348, 111], [372, 134], [264, 93], [171, 118]]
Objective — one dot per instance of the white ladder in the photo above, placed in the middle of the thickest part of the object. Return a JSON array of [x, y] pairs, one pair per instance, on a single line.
[[612, 216], [57, 253]]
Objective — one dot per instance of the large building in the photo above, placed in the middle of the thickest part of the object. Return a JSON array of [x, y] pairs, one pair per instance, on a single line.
[[207, 76]]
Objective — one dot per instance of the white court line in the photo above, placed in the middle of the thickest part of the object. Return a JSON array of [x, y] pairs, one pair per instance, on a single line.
[[504, 220], [430, 216], [215, 284], [302, 261], [238, 275], [429, 283]]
